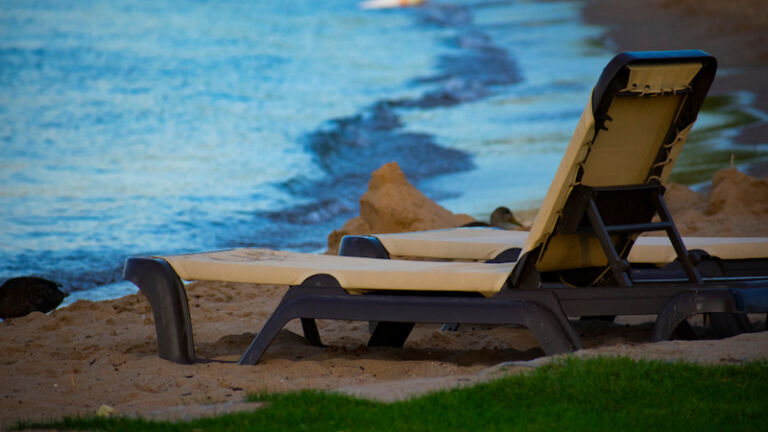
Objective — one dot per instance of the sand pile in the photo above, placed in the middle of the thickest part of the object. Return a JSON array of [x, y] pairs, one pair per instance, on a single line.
[[736, 205], [391, 204]]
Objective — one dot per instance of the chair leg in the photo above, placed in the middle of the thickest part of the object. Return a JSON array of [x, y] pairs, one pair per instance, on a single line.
[[619, 267], [551, 329], [170, 309], [366, 247], [684, 331], [293, 305], [309, 326], [725, 324], [676, 240], [727, 309], [391, 334]]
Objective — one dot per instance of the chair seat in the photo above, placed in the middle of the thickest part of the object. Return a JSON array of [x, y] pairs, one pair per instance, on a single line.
[[486, 243], [266, 266]]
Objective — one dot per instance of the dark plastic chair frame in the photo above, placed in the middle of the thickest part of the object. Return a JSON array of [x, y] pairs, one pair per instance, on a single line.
[[694, 284]]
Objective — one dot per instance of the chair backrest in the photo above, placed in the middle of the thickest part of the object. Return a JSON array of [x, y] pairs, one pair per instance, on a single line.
[[631, 133]]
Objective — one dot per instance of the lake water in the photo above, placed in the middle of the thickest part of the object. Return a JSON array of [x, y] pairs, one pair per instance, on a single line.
[[149, 127]]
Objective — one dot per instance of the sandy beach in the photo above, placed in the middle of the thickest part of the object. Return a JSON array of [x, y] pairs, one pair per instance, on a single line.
[[91, 354], [78, 358]]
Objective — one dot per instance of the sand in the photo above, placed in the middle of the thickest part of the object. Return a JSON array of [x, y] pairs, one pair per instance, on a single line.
[[90, 354]]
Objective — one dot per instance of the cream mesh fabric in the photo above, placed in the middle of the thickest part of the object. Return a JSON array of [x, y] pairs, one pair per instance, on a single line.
[[266, 266], [487, 243], [623, 154], [456, 243], [658, 250]]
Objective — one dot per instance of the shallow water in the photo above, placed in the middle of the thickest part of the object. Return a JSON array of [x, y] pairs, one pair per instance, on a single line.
[[161, 127]]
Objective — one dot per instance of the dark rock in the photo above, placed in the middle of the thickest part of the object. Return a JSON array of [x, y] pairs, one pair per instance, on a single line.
[[23, 295]]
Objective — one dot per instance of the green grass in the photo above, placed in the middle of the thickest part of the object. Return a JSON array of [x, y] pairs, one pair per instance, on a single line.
[[595, 394]]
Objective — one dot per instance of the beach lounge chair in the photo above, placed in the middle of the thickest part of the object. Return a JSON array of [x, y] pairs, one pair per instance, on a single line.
[[572, 263], [499, 245]]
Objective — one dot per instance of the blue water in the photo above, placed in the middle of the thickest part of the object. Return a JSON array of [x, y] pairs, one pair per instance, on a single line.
[[132, 128]]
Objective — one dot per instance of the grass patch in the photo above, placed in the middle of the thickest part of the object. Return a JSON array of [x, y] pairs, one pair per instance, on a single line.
[[594, 394]]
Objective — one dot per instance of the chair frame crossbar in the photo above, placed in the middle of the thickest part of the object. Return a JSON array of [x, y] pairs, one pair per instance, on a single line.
[[588, 209]]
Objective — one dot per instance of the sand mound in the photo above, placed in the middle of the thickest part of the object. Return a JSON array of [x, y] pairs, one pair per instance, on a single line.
[[736, 205], [392, 204]]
